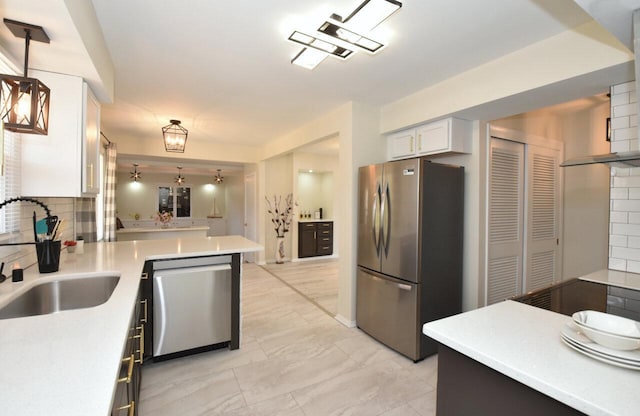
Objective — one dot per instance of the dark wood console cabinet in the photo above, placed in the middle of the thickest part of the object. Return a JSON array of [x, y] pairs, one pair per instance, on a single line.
[[315, 239]]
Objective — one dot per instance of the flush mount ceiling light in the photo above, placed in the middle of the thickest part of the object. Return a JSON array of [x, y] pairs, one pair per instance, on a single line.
[[371, 13], [179, 179], [24, 101], [135, 175], [336, 30], [218, 178], [349, 31], [175, 137], [320, 45]]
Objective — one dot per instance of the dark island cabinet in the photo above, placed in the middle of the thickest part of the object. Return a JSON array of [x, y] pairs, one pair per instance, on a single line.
[[315, 239]]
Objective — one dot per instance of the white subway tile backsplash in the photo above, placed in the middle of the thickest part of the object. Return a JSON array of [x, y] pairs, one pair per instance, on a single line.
[[620, 146], [620, 88], [620, 99], [624, 110], [619, 193], [620, 217], [633, 120], [620, 123], [626, 181], [621, 241], [634, 193], [632, 242], [625, 229], [624, 134], [628, 205], [633, 217], [633, 266], [633, 96], [617, 264]]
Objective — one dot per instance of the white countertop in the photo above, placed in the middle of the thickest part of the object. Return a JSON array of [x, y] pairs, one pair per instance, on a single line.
[[614, 278], [67, 363], [523, 342], [314, 220], [159, 230]]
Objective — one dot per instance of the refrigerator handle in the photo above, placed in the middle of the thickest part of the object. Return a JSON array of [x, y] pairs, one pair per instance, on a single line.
[[384, 213], [375, 222]]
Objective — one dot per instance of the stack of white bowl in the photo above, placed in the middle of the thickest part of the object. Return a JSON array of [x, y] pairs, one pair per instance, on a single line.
[[605, 337]]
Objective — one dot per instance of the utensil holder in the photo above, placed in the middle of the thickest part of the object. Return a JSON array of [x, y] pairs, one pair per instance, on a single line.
[[48, 252]]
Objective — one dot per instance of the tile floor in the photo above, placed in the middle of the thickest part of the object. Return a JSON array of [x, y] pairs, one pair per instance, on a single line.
[[317, 280], [294, 360]]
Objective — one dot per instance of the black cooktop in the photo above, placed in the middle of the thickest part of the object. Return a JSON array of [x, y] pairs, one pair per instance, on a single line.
[[568, 297]]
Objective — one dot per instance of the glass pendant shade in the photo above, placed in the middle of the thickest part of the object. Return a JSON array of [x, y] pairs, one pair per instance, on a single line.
[[175, 137]]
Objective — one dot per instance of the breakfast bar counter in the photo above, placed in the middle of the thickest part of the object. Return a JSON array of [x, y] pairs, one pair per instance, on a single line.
[[519, 347]]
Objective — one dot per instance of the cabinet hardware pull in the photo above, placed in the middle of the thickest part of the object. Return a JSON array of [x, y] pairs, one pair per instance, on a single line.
[[419, 142], [144, 301], [144, 276], [140, 351], [127, 379], [131, 406]]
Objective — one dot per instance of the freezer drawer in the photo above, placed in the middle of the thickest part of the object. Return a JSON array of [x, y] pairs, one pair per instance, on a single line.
[[387, 309], [192, 308]]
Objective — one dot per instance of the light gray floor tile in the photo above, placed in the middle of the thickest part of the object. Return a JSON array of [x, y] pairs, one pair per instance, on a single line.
[[294, 359]]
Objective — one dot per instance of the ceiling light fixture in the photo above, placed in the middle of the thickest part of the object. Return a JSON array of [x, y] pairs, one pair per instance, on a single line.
[[309, 58], [175, 137], [135, 175], [336, 30], [319, 44], [24, 101], [371, 13], [179, 179], [218, 178]]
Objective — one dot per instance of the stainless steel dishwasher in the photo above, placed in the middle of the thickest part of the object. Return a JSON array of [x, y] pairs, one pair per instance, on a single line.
[[192, 303]]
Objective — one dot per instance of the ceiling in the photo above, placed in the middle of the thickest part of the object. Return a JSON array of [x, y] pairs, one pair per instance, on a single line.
[[223, 68]]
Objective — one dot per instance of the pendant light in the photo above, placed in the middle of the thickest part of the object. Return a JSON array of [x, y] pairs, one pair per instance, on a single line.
[[24, 101], [135, 175], [175, 137], [218, 178], [179, 179]]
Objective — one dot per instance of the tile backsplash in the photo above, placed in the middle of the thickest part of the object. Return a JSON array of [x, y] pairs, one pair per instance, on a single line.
[[25, 255], [624, 217]]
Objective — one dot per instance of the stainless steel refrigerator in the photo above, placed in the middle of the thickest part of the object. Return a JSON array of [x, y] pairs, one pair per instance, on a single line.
[[410, 225]]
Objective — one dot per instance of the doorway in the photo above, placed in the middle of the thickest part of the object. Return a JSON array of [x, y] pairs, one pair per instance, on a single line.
[[523, 221]]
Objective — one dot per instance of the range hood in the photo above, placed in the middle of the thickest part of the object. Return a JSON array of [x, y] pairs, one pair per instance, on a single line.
[[620, 160], [622, 19]]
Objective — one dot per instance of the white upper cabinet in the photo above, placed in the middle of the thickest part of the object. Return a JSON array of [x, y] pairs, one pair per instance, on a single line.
[[64, 163], [450, 135]]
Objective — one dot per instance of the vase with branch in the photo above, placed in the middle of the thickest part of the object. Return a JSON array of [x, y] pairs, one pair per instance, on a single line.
[[281, 212]]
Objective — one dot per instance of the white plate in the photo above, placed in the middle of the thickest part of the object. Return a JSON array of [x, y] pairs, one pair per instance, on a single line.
[[571, 332], [597, 357], [608, 323]]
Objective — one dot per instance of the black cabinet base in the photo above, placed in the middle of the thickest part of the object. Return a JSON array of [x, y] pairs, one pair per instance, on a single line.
[[467, 387], [191, 351]]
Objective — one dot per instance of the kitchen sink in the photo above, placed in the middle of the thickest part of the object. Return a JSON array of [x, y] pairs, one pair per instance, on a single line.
[[61, 295]]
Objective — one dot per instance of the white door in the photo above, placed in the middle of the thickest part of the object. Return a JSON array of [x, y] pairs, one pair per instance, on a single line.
[[250, 226], [523, 252], [506, 220], [542, 265]]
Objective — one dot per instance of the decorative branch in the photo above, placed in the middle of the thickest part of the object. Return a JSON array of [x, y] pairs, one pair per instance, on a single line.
[[281, 216]]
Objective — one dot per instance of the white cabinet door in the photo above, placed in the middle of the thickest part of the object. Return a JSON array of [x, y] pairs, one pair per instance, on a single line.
[[434, 137], [401, 144], [91, 143], [64, 163]]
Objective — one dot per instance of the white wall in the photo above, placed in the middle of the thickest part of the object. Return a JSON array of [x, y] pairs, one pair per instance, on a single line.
[[142, 197], [279, 183]]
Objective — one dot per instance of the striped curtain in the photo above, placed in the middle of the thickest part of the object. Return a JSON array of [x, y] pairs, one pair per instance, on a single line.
[[86, 219], [110, 194]]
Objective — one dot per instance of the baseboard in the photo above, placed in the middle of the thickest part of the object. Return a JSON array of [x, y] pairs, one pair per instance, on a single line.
[[344, 321]]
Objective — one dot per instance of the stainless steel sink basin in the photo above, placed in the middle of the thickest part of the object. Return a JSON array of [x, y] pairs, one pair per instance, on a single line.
[[61, 295]]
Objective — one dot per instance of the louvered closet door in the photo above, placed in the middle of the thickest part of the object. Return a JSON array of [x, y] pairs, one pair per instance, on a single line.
[[506, 222], [542, 265]]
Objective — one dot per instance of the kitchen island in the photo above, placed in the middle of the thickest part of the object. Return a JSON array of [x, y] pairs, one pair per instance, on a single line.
[[130, 234], [508, 358], [67, 363]]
